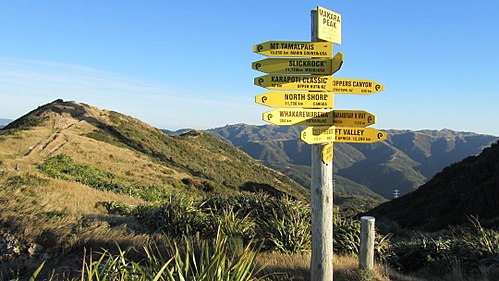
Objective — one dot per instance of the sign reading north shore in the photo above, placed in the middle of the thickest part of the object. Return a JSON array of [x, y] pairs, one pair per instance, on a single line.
[[354, 118], [289, 117], [300, 65], [327, 153], [296, 99], [317, 83], [294, 49], [318, 134], [355, 86], [328, 25]]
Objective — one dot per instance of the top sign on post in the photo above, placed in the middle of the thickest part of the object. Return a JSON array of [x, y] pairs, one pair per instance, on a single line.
[[294, 49], [328, 25]]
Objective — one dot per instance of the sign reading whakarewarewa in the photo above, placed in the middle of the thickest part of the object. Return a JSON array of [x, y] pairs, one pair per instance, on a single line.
[[303, 116]]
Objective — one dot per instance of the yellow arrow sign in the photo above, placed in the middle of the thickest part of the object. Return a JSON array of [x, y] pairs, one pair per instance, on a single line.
[[354, 118], [294, 49], [326, 117], [320, 134], [327, 153], [355, 86], [318, 83], [300, 65], [359, 135], [288, 117], [296, 99], [294, 82]]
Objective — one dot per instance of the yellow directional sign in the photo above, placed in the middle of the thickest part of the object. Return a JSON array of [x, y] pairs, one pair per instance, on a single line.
[[294, 49], [300, 65], [294, 82], [328, 25], [296, 99], [318, 134], [318, 83], [355, 86], [327, 153], [288, 117], [325, 117], [354, 118]]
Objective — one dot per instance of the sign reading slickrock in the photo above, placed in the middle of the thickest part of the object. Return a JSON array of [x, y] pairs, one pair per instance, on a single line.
[[319, 134], [297, 66], [300, 65], [296, 99], [318, 83], [294, 49]]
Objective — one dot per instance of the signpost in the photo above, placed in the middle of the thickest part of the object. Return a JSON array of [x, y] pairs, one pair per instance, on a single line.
[[355, 86], [301, 73], [296, 99], [325, 117], [318, 66], [327, 153], [358, 135], [328, 25], [318, 83], [294, 49], [323, 134]]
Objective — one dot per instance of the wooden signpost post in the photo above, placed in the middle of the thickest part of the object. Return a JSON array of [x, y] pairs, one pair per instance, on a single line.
[[301, 72]]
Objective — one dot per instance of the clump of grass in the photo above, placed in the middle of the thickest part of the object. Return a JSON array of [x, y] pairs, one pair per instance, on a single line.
[[191, 259], [63, 167]]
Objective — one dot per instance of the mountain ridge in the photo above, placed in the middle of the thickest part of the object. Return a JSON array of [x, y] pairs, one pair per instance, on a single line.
[[406, 160]]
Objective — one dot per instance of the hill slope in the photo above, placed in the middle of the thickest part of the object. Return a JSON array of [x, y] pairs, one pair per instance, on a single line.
[[406, 160], [65, 164], [464, 189], [82, 132]]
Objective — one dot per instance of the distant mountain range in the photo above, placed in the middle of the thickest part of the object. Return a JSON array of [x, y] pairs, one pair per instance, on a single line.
[[462, 192], [4, 121], [406, 160]]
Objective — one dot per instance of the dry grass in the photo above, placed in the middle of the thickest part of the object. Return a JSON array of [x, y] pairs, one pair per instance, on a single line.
[[297, 268]]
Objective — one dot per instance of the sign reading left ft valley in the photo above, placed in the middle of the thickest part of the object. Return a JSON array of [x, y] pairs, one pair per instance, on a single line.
[[294, 49], [322, 134]]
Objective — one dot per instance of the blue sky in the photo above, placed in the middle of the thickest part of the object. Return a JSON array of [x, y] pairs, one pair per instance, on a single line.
[[178, 64]]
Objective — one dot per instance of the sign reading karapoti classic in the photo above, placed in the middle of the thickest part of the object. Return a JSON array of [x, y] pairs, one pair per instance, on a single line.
[[285, 82]]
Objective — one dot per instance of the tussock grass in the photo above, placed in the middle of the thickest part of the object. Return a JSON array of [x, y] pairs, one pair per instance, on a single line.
[[296, 267]]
